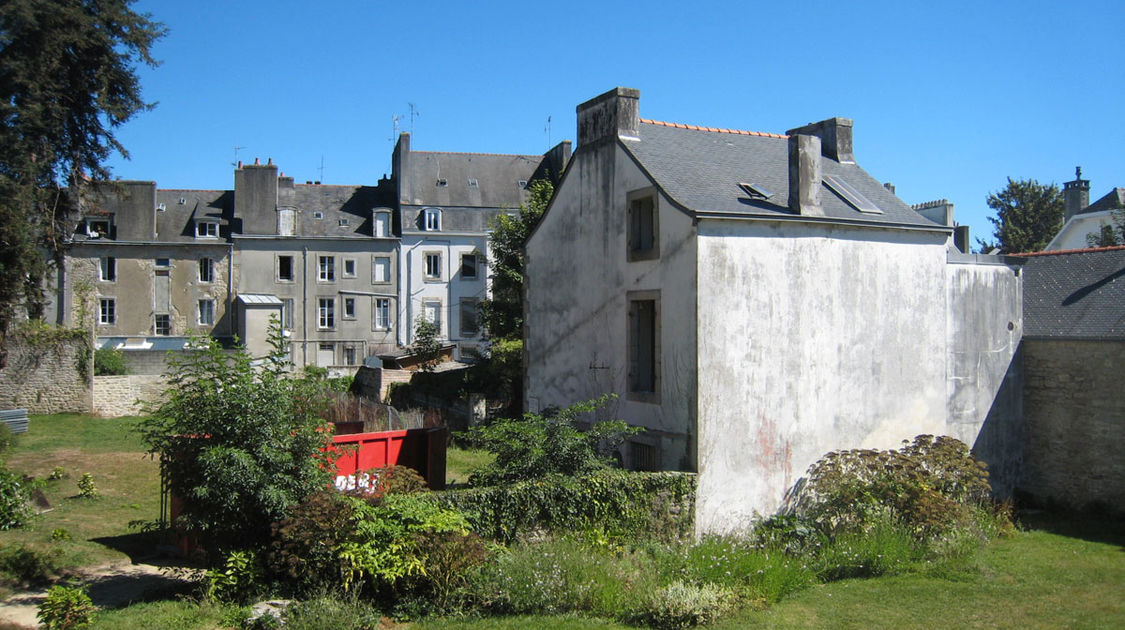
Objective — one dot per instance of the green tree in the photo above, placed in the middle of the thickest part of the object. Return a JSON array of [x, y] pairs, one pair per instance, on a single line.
[[1110, 234], [502, 315], [427, 344], [67, 79], [239, 442], [1028, 215]]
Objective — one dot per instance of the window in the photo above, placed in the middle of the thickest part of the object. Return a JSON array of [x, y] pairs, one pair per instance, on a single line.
[[286, 221], [107, 269], [644, 236], [107, 311], [470, 327], [382, 314], [285, 269], [326, 313], [382, 224], [206, 270], [97, 228], [207, 229], [643, 457], [431, 311], [431, 219], [381, 269], [343, 223], [163, 324], [349, 267], [327, 269], [468, 266], [287, 313], [644, 346], [164, 263], [207, 312], [349, 308], [473, 183], [433, 266], [349, 355]]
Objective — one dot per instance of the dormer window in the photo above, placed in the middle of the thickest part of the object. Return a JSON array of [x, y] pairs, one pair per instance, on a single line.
[[473, 183], [441, 183], [206, 229], [382, 224], [431, 220]]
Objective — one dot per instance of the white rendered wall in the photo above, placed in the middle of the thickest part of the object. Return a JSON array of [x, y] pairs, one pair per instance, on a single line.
[[811, 338], [1073, 233], [448, 290]]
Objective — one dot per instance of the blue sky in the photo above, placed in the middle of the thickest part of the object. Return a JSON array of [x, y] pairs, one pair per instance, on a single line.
[[949, 99]]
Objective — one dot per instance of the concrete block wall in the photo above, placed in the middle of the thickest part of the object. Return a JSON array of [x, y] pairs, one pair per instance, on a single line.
[[45, 379], [126, 395], [1074, 422]]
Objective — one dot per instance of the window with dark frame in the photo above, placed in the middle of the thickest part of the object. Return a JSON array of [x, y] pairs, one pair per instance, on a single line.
[[470, 325], [107, 311], [207, 312], [349, 267], [107, 271], [644, 235], [206, 270], [644, 346], [163, 324], [285, 268], [468, 266]]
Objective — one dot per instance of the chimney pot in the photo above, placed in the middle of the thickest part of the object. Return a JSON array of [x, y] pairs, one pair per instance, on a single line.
[[269, 161], [889, 186], [1076, 194], [240, 164], [257, 162]]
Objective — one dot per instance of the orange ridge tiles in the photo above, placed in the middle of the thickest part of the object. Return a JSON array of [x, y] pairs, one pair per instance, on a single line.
[[1072, 251], [737, 132]]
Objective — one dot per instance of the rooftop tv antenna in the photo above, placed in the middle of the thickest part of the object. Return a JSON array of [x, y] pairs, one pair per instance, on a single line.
[[413, 114], [548, 130], [321, 167], [235, 162], [394, 126]]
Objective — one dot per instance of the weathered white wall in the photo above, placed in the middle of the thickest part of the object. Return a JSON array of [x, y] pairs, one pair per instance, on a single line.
[[577, 311], [1073, 234], [448, 290], [811, 338]]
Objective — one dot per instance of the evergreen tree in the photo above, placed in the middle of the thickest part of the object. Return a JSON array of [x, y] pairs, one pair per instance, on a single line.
[[67, 79], [1028, 215]]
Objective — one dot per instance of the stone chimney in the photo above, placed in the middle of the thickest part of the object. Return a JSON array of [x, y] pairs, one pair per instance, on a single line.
[[835, 138], [255, 197], [804, 175], [1076, 194], [615, 114]]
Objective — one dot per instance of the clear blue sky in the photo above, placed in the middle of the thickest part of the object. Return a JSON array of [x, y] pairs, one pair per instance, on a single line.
[[948, 98]]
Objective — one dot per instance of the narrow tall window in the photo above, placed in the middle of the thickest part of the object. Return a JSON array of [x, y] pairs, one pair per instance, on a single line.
[[431, 310], [107, 311], [349, 355], [287, 313], [326, 313], [382, 224], [163, 324], [349, 308], [206, 270], [644, 235], [431, 219], [107, 271], [349, 267], [207, 312], [285, 268], [433, 266], [381, 269], [327, 268], [644, 346], [468, 266], [382, 314], [469, 325]]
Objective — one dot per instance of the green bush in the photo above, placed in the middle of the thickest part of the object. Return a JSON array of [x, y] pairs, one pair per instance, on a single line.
[[539, 445], [739, 564], [325, 611], [110, 362], [66, 608], [25, 566], [239, 443], [15, 499], [683, 605], [304, 544], [239, 580], [86, 487], [656, 505], [375, 483]]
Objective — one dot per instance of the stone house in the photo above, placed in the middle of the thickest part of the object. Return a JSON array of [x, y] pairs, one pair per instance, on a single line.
[[1073, 359], [1083, 218], [757, 300], [447, 203]]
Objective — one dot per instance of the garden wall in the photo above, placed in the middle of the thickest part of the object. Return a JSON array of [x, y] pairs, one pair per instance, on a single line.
[[125, 395], [47, 377], [1074, 422]]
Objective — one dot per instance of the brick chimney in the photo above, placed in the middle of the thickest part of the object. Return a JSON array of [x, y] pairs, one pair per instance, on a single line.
[[835, 138], [804, 175], [615, 114], [1076, 194]]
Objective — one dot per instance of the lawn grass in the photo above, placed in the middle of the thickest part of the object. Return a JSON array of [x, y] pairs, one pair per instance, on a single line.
[[460, 462], [126, 478]]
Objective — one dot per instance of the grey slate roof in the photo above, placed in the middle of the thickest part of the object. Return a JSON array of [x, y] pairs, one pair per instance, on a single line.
[[351, 205], [700, 170], [176, 222], [1112, 200], [1075, 294], [497, 179]]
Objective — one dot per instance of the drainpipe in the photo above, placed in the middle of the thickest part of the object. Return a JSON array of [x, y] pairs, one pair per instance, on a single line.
[[305, 306], [230, 289]]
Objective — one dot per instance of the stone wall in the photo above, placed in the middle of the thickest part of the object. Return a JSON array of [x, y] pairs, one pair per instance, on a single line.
[[45, 378], [125, 395], [375, 382], [1075, 422]]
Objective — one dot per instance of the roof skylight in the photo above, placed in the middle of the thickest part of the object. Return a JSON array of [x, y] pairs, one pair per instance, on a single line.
[[849, 194], [755, 190]]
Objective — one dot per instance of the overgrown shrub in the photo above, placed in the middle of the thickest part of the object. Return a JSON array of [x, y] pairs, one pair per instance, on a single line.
[[25, 566], [87, 489], [656, 505], [304, 544], [238, 580], [239, 442], [15, 499], [682, 605], [539, 445], [326, 611], [110, 362], [375, 483], [66, 608]]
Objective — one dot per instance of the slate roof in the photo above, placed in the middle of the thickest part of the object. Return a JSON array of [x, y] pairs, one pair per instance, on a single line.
[[1077, 294], [496, 179], [346, 211], [1112, 200], [176, 222], [700, 169]]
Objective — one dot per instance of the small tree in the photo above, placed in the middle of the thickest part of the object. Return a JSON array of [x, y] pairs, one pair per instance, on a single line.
[[427, 344], [1110, 234], [239, 442], [1028, 215]]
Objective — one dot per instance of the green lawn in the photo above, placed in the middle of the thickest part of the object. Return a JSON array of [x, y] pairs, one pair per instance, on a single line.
[[459, 462]]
